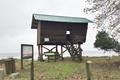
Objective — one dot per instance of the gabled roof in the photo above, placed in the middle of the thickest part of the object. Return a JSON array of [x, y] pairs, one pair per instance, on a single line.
[[42, 17], [53, 18]]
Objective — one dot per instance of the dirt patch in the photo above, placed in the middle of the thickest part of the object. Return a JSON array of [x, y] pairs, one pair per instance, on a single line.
[[77, 76]]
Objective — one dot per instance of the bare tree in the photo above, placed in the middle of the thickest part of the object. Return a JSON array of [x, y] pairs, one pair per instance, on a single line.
[[106, 15]]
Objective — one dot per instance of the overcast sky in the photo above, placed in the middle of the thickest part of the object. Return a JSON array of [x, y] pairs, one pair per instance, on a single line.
[[16, 17]]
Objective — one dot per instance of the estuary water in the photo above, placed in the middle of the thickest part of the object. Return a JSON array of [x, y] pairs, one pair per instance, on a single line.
[[66, 54]]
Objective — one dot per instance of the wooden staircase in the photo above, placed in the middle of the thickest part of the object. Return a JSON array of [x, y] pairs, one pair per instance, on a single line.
[[74, 50]]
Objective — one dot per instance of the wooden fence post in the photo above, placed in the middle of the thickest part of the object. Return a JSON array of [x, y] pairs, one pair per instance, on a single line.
[[88, 70]]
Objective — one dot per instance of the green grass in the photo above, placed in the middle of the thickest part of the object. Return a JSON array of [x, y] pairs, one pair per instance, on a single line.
[[102, 68], [60, 70], [105, 68]]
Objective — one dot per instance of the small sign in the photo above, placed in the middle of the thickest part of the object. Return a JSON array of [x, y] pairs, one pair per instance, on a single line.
[[26, 51], [46, 39]]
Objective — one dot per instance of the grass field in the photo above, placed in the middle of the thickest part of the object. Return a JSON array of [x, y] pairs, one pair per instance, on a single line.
[[102, 68]]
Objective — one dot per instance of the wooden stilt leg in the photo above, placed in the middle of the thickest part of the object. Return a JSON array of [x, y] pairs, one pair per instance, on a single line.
[[41, 53], [80, 51], [61, 52], [56, 48], [56, 55], [38, 52]]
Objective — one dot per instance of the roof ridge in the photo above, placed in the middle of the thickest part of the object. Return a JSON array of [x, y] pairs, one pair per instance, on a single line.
[[58, 16], [61, 18]]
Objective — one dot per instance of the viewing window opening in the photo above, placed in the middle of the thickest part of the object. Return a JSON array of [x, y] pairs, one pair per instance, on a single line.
[[67, 32]]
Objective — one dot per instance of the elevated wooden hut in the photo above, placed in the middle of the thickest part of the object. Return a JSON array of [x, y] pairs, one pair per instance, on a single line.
[[60, 30]]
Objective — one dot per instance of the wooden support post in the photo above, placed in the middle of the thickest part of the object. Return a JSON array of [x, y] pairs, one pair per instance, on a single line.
[[56, 48], [22, 63], [32, 70], [32, 66], [56, 54], [88, 70], [21, 57], [41, 53], [72, 52], [79, 52], [62, 52], [38, 52]]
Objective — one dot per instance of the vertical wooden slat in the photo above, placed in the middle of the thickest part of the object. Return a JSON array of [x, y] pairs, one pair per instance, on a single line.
[[39, 33]]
